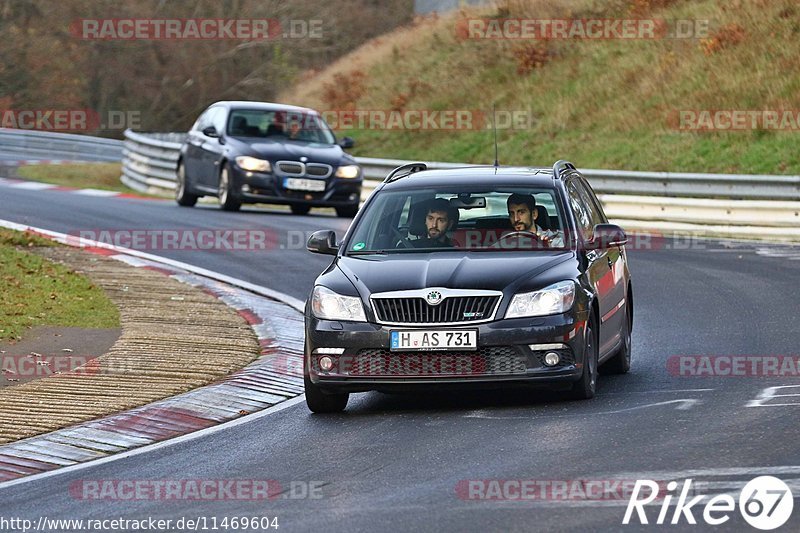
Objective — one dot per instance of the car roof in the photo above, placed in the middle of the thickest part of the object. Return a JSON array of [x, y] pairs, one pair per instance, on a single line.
[[477, 175], [266, 106]]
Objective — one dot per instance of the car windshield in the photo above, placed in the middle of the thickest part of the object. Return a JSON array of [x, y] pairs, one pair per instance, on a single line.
[[279, 125], [474, 219]]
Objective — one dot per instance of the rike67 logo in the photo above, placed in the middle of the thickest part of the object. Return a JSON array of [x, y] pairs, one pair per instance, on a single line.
[[765, 503]]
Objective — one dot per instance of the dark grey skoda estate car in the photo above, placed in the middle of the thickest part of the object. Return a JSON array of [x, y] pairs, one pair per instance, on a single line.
[[259, 152], [482, 276]]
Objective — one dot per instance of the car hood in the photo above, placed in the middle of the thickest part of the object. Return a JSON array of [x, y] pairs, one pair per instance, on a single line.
[[494, 271], [331, 154]]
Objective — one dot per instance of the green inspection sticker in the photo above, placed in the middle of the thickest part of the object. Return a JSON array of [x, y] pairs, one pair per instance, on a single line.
[[358, 246]]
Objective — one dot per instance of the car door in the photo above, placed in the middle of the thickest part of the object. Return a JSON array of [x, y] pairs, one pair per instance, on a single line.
[[194, 155], [598, 268], [613, 281], [211, 149]]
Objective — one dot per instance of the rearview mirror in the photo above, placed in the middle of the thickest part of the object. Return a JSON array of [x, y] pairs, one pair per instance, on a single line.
[[210, 131], [323, 242], [605, 236], [347, 142]]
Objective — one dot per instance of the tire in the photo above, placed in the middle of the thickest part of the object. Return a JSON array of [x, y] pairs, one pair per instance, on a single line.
[[347, 212], [227, 197], [182, 194], [300, 209], [586, 386], [620, 363], [323, 402]]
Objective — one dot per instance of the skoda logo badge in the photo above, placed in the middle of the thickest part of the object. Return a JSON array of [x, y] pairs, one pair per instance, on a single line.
[[434, 298]]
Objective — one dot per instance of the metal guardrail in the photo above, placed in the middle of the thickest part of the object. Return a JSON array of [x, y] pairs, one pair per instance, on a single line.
[[150, 159], [729, 205], [672, 184], [66, 146]]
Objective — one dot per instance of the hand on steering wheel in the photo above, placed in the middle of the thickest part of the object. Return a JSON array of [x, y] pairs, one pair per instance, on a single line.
[[523, 233]]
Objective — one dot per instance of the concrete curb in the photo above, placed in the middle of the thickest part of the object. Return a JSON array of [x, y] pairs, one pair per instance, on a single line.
[[276, 376]]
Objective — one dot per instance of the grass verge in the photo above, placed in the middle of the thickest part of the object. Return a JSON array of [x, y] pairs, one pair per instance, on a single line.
[[601, 103], [103, 176], [37, 292]]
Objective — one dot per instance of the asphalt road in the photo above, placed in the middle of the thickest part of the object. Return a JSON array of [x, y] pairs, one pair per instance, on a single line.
[[395, 462]]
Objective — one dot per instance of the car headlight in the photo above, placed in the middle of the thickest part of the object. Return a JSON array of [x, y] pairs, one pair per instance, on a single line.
[[253, 164], [329, 305], [556, 298], [348, 171]]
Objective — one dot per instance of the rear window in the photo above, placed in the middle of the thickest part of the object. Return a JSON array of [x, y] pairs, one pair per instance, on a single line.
[[474, 219]]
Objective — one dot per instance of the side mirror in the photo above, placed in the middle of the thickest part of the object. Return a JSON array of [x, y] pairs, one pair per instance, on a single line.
[[606, 236], [323, 242], [347, 142], [211, 131]]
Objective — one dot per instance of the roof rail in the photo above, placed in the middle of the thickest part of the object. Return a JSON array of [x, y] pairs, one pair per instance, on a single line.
[[404, 170], [560, 166]]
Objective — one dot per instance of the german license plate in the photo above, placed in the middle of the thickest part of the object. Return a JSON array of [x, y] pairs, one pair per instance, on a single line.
[[302, 184], [440, 339]]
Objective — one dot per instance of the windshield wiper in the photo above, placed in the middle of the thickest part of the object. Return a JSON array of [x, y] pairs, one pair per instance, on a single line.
[[368, 252]]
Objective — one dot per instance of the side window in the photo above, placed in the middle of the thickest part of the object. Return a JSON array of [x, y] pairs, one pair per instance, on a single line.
[[596, 210], [583, 217]]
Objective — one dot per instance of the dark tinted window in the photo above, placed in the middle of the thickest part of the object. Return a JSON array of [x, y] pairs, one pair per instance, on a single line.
[[579, 207]]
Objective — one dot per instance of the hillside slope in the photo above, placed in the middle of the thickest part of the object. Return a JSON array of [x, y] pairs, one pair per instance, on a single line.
[[611, 103]]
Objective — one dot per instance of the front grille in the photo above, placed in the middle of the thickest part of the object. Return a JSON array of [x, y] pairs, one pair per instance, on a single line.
[[451, 310], [291, 168], [487, 361], [295, 168], [318, 170]]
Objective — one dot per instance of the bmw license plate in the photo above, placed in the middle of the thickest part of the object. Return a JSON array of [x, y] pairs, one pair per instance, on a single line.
[[302, 184], [440, 339]]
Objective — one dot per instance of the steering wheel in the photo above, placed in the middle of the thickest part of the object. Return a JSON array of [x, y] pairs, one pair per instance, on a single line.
[[523, 233], [401, 238]]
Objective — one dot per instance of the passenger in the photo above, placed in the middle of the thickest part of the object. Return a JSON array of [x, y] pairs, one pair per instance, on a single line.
[[440, 219], [522, 213]]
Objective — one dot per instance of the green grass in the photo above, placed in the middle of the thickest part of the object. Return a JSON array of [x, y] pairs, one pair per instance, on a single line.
[[37, 292], [598, 103], [103, 176]]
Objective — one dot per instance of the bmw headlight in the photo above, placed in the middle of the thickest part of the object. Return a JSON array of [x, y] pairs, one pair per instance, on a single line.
[[556, 298], [253, 164], [348, 171], [329, 305]]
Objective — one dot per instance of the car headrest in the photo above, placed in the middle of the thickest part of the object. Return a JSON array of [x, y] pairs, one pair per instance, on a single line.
[[239, 125], [542, 219]]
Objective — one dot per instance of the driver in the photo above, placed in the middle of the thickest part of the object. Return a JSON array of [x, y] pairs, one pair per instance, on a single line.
[[522, 213]]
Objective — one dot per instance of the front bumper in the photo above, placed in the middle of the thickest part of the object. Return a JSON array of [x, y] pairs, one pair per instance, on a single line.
[[510, 352], [257, 187]]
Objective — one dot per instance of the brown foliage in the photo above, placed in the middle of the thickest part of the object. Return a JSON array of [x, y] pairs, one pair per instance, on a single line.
[[530, 56], [726, 36], [345, 90]]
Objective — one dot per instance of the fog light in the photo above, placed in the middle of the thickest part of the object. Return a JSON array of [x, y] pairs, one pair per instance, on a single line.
[[245, 188], [325, 363], [551, 358], [353, 197]]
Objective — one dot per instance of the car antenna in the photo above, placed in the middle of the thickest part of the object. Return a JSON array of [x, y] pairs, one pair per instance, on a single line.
[[494, 127]]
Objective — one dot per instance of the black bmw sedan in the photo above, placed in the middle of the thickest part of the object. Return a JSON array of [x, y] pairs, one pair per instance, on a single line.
[[257, 152], [480, 276]]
